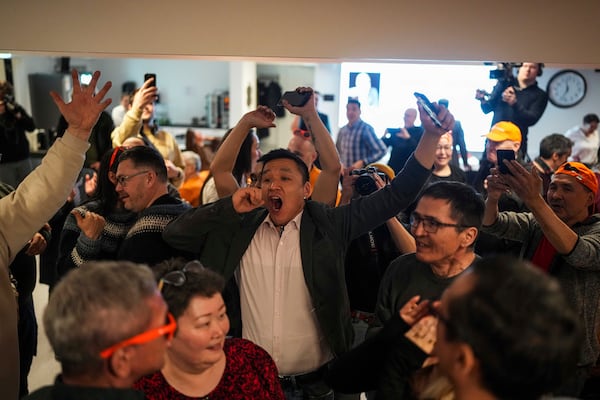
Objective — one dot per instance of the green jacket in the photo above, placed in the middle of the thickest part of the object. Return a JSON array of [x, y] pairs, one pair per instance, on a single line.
[[220, 236]]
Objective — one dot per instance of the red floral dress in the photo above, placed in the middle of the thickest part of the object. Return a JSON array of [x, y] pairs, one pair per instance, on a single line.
[[250, 373]]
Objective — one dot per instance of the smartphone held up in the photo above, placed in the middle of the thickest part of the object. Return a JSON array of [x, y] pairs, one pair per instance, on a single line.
[[502, 155], [429, 108], [295, 98], [148, 76]]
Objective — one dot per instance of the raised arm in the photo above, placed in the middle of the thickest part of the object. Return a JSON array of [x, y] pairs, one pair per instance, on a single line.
[[528, 186], [34, 202], [224, 161], [132, 122], [326, 186]]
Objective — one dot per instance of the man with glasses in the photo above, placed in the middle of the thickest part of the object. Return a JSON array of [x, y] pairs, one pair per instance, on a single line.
[[445, 225], [108, 326], [142, 186], [560, 236]]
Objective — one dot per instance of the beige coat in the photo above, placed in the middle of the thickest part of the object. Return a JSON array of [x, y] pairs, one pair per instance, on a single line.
[[22, 213]]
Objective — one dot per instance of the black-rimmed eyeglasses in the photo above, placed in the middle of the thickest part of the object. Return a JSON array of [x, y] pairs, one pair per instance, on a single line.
[[430, 225]]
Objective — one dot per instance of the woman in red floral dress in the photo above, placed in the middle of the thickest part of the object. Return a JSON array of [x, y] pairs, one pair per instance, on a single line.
[[201, 363]]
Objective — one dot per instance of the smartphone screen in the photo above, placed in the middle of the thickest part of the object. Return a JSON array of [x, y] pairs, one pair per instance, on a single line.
[[148, 76], [502, 155], [428, 107]]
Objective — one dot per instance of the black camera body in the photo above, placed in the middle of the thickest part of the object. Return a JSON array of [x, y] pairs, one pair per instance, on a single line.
[[504, 73], [365, 183], [9, 102]]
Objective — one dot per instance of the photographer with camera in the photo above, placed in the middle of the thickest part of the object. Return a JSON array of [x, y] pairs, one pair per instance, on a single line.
[[369, 255], [518, 100], [15, 164]]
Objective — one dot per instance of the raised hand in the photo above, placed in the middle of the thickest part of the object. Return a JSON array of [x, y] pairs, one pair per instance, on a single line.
[[85, 107], [307, 108], [444, 116], [90, 223], [262, 117], [247, 199], [146, 95], [413, 311]]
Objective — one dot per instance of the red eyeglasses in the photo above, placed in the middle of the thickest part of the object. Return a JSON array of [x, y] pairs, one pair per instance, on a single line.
[[302, 133], [144, 337]]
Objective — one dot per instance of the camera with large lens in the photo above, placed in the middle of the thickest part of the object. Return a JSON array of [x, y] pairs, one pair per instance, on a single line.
[[504, 73], [365, 183]]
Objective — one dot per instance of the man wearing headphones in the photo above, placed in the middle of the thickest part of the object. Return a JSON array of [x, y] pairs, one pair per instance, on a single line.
[[522, 103]]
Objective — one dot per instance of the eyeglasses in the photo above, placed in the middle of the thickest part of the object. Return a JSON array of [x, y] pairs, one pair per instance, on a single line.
[[168, 329], [178, 277], [123, 179], [430, 225], [306, 135]]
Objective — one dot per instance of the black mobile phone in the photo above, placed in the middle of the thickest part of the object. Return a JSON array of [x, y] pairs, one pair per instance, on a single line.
[[148, 76], [502, 155], [393, 131], [429, 108], [295, 98]]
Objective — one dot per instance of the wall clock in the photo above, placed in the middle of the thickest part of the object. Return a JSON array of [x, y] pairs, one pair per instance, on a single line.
[[566, 88]]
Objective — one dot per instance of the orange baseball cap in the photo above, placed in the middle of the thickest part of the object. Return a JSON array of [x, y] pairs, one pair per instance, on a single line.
[[579, 171], [504, 130]]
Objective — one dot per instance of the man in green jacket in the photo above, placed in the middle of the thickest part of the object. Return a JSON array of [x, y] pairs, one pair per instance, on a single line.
[[287, 256]]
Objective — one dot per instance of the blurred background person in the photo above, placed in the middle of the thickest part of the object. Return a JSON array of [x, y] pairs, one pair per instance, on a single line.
[[139, 121], [201, 362], [443, 168], [357, 143], [555, 149], [15, 163], [586, 141], [403, 141], [519, 100], [194, 178], [458, 140]]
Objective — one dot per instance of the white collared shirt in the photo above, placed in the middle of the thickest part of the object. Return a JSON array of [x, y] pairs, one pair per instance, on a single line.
[[277, 310]]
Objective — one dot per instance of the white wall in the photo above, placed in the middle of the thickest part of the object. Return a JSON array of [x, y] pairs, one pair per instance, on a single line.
[[184, 83]]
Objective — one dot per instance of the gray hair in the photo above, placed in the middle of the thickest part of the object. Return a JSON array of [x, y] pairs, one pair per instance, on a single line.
[[192, 156], [95, 307]]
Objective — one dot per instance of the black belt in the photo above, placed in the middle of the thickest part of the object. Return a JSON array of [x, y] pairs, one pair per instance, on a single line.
[[299, 380]]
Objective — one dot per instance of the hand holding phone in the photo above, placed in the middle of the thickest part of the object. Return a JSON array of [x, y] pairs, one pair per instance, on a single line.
[[429, 108], [502, 155], [148, 76], [295, 98]]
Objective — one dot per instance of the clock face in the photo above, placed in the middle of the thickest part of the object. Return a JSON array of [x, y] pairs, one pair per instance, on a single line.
[[566, 89]]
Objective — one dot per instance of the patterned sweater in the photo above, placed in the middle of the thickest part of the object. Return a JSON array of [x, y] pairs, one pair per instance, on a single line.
[[143, 242], [76, 248]]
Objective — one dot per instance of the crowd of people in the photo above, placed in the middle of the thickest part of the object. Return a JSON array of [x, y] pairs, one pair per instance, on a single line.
[[311, 272]]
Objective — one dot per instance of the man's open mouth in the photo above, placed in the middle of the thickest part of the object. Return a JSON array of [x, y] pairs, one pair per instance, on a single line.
[[276, 203]]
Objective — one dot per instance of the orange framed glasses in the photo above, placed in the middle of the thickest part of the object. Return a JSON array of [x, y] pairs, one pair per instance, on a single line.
[[144, 337]]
